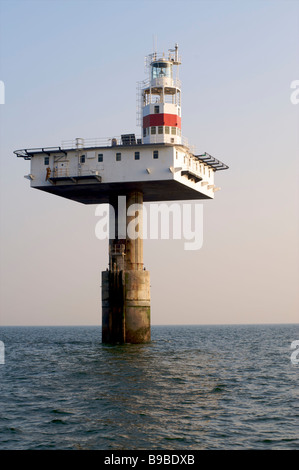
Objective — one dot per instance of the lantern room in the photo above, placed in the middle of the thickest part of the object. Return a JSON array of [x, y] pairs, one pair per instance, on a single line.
[[161, 69]]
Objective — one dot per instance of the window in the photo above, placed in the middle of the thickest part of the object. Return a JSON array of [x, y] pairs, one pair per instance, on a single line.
[[161, 69], [153, 130], [160, 130], [173, 130], [156, 109], [47, 160], [100, 157], [82, 159], [144, 132], [118, 157], [156, 154], [137, 155], [166, 130]]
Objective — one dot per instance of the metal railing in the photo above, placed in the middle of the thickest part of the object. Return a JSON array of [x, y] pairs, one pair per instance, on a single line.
[[60, 172], [90, 143], [114, 141], [97, 142], [63, 172], [175, 83]]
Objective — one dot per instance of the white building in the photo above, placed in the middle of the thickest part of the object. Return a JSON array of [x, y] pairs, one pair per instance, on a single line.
[[160, 164]]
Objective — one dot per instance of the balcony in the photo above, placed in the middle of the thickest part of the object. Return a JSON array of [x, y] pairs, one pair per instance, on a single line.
[[62, 175]]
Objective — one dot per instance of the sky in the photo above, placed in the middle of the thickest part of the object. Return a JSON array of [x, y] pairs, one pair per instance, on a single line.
[[70, 70]]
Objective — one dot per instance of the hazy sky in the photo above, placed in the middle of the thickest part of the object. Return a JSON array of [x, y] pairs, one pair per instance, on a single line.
[[70, 70]]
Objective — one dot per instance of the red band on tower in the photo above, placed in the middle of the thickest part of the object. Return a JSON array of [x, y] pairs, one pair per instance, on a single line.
[[162, 119]]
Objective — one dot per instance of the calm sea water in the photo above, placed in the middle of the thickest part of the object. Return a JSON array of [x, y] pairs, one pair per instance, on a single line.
[[192, 387]]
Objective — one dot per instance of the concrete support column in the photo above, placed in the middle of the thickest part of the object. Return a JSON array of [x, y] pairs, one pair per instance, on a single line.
[[126, 285], [134, 241]]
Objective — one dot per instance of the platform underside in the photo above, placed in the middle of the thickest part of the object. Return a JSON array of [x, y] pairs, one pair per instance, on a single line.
[[98, 193]]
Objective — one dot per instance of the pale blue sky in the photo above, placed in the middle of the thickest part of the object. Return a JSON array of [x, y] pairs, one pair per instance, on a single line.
[[70, 70]]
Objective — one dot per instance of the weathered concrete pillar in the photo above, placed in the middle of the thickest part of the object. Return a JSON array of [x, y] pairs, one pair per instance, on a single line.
[[137, 303], [134, 242], [126, 285]]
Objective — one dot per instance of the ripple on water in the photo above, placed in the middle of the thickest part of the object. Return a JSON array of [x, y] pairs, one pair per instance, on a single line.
[[191, 388]]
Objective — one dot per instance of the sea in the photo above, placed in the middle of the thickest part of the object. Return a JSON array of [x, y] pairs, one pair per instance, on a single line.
[[200, 387]]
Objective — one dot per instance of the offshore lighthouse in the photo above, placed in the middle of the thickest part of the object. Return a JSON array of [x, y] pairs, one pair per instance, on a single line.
[[157, 166]]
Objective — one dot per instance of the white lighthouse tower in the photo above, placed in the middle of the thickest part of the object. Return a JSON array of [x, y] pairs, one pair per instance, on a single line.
[[161, 100], [158, 166]]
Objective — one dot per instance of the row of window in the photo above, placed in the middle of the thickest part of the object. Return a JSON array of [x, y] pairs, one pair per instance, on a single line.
[[157, 110], [136, 156], [101, 157], [161, 130]]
